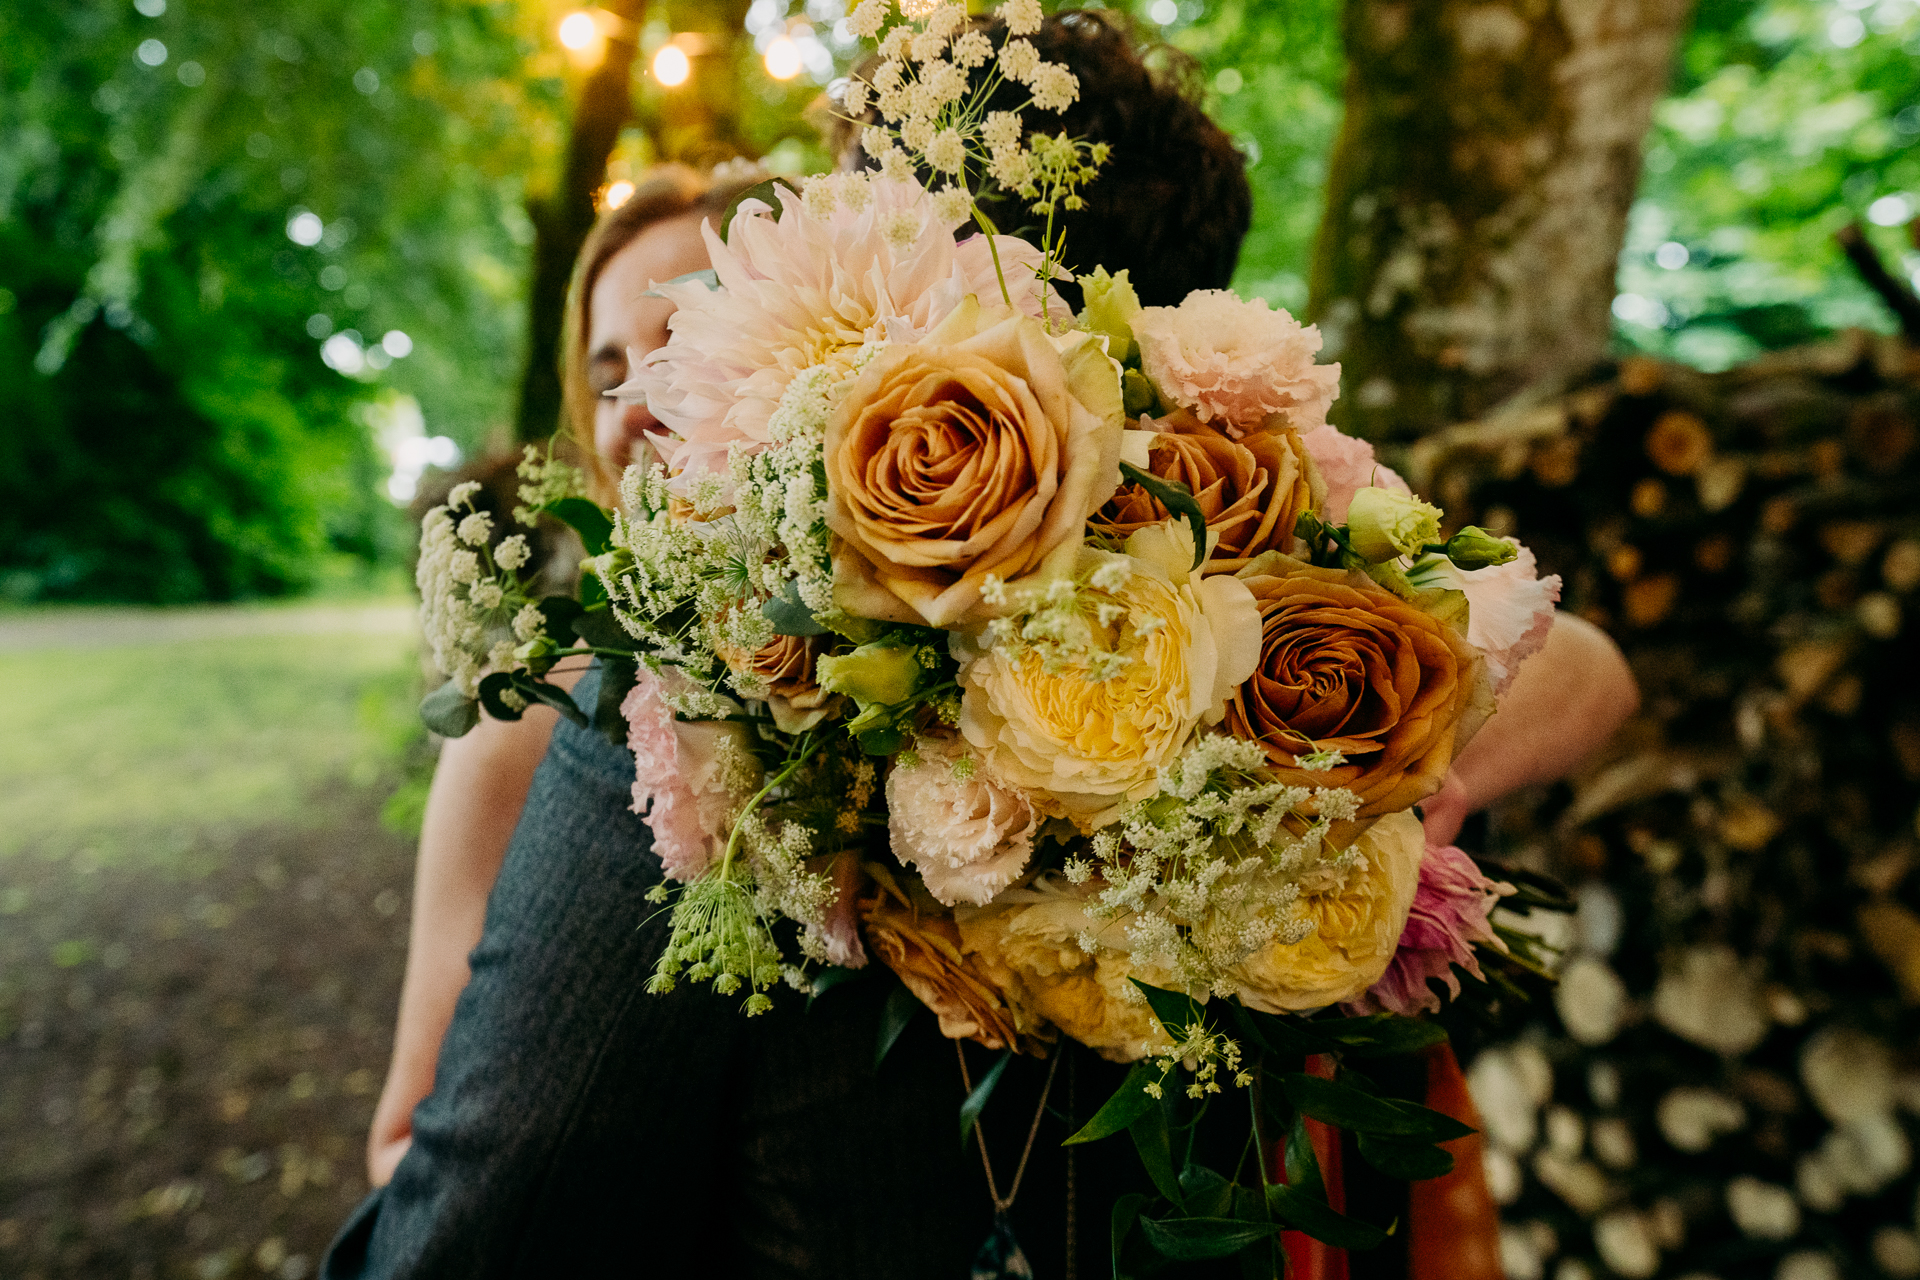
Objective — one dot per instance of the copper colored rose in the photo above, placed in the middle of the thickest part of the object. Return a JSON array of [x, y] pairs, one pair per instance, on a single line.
[[916, 937], [1348, 667], [783, 667], [1251, 490]]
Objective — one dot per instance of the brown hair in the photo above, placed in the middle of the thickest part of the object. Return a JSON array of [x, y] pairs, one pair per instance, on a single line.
[[1173, 204], [667, 191]]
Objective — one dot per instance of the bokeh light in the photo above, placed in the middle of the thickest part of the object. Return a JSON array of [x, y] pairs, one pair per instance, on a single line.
[[783, 59], [578, 31], [618, 194], [671, 66]]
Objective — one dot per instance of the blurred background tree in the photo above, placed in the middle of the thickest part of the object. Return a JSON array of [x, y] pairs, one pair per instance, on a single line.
[[262, 265]]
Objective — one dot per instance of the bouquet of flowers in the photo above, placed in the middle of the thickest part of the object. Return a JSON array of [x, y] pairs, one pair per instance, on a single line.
[[1071, 666]]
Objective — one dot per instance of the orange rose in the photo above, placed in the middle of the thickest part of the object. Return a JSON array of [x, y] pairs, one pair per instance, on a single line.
[[917, 938], [1348, 667], [783, 669], [1251, 490], [973, 452]]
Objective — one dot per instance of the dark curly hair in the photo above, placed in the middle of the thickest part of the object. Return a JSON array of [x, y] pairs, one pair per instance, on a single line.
[[1172, 204]]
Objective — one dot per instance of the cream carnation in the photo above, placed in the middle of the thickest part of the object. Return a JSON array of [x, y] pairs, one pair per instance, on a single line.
[[1086, 746], [798, 291], [1235, 363], [967, 836]]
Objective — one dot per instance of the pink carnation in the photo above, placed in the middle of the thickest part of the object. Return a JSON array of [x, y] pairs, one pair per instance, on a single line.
[[1450, 914], [798, 291], [1235, 361], [678, 777], [1347, 465]]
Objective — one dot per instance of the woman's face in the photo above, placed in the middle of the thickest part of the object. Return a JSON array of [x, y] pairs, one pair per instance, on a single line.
[[620, 316]]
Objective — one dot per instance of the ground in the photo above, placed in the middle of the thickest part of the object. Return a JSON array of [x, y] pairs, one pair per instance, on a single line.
[[202, 929]]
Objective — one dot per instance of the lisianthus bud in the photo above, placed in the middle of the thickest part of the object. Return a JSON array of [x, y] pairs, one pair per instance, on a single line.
[[1383, 524], [1475, 548], [1111, 305], [881, 672]]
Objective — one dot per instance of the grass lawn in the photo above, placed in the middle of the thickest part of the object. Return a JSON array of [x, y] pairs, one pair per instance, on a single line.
[[136, 749]]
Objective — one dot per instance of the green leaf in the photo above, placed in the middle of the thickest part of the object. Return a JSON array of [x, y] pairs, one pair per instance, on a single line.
[[449, 712], [491, 687], [1119, 1112], [1196, 1239], [587, 519], [1207, 1193], [706, 275], [593, 592], [599, 628], [789, 616], [1176, 498], [1175, 1010], [899, 1009], [1381, 1035], [1346, 1107], [976, 1101], [556, 697], [1287, 1034], [765, 192], [1155, 1145], [1126, 1212], [882, 742], [559, 612], [1319, 1220], [828, 978], [1303, 1162], [1413, 1161]]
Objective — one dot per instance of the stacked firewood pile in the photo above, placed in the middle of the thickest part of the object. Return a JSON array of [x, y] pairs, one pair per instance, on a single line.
[[1727, 1081]]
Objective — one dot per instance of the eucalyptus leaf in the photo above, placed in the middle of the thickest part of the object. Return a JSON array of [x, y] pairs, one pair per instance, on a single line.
[[492, 686], [449, 712], [587, 519], [1176, 498], [1196, 1239], [789, 616], [1320, 1220], [706, 276], [1126, 1105], [976, 1100], [899, 1009], [1413, 1161]]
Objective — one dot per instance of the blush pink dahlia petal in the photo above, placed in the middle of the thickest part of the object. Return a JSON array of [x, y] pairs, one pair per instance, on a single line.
[[797, 291], [1348, 466], [1235, 363], [1450, 914]]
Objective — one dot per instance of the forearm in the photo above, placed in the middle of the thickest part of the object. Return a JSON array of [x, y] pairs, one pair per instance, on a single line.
[[1564, 705]]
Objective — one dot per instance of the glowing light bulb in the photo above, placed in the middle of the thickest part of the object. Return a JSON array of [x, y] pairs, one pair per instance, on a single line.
[[578, 30], [783, 59], [619, 193], [671, 66]]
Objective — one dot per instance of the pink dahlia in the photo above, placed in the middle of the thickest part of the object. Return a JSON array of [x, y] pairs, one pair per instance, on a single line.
[[1450, 914], [1234, 362], [1347, 465], [799, 290], [678, 776]]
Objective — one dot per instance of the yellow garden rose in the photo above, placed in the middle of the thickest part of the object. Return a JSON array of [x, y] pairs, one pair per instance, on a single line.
[[1357, 922], [1083, 746], [976, 451], [1027, 947]]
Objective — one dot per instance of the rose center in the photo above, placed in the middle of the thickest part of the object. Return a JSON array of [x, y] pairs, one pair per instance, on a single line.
[[948, 467]]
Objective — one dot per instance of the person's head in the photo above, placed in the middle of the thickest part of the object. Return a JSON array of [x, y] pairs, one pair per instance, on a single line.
[[654, 236], [1172, 204]]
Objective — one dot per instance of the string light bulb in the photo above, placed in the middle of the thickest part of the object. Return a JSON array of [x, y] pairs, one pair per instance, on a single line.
[[783, 59], [578, 30], [618, 193], [671, 66]]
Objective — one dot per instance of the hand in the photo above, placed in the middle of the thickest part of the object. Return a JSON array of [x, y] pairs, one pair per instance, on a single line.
[[1445, 810], [384, 1158]]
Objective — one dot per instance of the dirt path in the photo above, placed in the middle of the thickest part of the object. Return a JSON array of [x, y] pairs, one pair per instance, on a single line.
[[188, 1060]]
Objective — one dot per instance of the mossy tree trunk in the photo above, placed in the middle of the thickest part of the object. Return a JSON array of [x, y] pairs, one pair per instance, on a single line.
[[1478, 196], [563, 215]]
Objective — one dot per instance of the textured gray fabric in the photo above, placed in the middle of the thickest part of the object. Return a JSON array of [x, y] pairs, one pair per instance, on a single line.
[[581, 1127]]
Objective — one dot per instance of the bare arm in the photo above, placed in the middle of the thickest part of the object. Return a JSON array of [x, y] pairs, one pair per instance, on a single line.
[[479, 788], [1563, 706]]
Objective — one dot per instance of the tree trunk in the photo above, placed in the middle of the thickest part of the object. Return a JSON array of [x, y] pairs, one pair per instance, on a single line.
[[562, 217], [1478, 195]]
